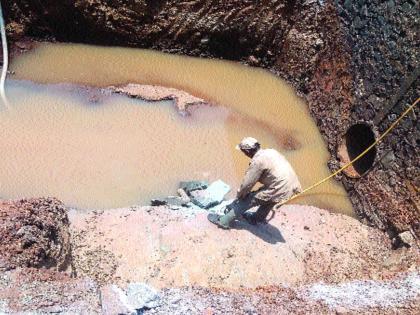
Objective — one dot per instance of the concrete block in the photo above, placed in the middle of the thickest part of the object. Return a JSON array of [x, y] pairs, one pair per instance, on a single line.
[[211, 196]]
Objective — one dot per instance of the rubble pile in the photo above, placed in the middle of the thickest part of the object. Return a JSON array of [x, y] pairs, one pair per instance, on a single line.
[[197, 196]]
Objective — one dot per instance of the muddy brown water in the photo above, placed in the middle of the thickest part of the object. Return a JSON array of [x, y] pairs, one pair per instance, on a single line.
[[118, 151]]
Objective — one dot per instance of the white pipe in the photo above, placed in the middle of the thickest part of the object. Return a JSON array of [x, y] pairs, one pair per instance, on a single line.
[[5, 59]]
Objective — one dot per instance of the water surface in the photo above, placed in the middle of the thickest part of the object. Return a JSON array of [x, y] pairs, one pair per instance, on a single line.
[[119, 151]]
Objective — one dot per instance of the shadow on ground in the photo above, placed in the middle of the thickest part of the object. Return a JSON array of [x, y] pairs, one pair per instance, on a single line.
[[265, 231]]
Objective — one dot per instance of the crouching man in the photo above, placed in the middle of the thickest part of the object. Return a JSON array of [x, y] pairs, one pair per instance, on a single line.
[[279, 182]]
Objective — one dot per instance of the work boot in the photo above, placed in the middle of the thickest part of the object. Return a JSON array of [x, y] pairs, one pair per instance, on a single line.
[[250, 218], [222, 221]]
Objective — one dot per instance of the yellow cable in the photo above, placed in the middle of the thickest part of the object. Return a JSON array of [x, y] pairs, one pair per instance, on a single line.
[[356, 158]]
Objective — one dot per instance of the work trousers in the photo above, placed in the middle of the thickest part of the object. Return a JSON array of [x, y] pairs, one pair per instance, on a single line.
[[239, 206]]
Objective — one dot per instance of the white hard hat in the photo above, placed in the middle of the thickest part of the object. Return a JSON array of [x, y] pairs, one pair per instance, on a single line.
[[247, 143]]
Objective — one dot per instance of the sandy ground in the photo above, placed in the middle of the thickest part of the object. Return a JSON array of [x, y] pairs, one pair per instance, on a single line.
[[164, 248]]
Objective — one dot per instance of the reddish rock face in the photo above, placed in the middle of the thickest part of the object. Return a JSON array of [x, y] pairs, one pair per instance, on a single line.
[[354, 62], [34, 233]]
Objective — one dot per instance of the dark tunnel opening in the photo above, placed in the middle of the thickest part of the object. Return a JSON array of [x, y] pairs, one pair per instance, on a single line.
[[358, 138]]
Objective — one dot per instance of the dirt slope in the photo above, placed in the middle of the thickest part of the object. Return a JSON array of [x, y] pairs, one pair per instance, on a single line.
[[160, 246], [306, 260]]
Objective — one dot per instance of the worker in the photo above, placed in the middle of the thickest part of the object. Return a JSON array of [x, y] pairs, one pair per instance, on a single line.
[[279, 182]]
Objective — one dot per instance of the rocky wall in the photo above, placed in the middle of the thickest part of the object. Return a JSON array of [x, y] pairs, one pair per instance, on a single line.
[[354, 61], [384, 41]]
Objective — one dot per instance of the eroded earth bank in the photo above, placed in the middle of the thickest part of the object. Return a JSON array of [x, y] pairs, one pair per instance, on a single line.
[[306, 260], [355, 63]]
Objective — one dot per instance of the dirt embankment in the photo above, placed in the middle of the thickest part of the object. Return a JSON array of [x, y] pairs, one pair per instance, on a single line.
[[164, 248], [306, 260], [353, 61]]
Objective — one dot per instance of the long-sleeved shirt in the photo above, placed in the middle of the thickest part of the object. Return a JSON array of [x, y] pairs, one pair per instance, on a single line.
[[274, 172]]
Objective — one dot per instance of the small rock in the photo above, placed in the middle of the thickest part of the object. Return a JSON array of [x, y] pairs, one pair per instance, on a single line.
[[319, 43], [204, 41], [141, 296], [388, 159], [208, 311], [253, 61], [348, 5], [158, 202], [391, 5], [306, 228], [114, 301], [190, 186], [406, 7], [220, 208], [181, 192], [392, 182], [407, 238], [358, 22], [170, 201]]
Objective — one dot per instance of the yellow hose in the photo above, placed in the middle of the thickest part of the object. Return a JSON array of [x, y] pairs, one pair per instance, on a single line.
[[355, 159]]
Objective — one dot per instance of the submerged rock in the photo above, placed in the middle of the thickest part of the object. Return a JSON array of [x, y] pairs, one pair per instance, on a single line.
[[170, 201], [211, 196]]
